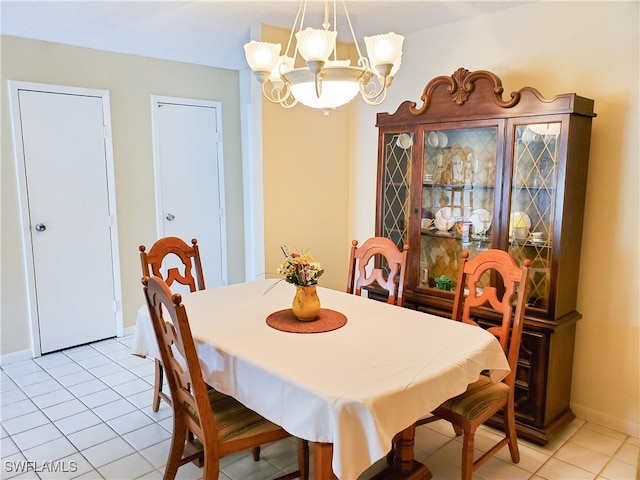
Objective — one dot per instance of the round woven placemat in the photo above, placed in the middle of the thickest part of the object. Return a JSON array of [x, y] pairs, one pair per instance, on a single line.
[[327, 320]]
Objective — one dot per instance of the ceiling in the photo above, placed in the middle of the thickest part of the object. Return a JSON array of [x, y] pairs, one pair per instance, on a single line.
[[212, 32]]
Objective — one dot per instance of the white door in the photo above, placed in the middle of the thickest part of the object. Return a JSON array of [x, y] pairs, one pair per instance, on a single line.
[[62, 157], [189, 178]]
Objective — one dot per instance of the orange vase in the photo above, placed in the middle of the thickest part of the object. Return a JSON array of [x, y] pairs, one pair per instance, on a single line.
[[306, 304]]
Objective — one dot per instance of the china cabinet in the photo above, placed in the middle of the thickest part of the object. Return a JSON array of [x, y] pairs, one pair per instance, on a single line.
[[470, 170]]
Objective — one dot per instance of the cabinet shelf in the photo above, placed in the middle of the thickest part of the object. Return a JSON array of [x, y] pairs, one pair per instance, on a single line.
[[532, 188], [454, 235], [450, 186], [528, 243]]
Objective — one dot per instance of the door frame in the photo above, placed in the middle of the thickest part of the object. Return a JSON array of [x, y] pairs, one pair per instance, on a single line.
[[156, 100], [23, 200]]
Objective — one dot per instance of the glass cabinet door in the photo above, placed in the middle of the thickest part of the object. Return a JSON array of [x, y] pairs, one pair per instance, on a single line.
[[458, 200], [533, 197], [395, 187]]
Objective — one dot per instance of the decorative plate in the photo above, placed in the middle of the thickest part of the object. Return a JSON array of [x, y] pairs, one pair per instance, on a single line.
[[444, 219], [432, 139], [481, 220], [443, 140], [404, 141], [517, 218]]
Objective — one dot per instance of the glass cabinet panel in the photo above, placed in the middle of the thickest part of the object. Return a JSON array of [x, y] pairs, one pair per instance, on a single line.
[[458, 200], [533, 196], [395, 186]]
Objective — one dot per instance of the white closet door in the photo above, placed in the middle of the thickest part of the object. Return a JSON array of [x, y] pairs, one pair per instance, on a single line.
[[189, 179], [63, 143]]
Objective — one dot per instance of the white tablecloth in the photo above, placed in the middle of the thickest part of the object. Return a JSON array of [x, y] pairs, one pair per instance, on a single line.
[[355, 387]]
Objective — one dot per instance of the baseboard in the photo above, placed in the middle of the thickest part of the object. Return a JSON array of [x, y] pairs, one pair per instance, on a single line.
[[605, 420], [22, 355], [129, 330], [15, 357]]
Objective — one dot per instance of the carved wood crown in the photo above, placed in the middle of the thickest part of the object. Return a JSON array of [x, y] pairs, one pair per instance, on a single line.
[[460, 85]]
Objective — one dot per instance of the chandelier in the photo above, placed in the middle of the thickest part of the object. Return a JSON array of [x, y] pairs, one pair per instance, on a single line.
[[325, 82]]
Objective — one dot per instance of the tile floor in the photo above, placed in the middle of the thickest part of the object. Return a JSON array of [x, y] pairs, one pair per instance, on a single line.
[[85, 413]]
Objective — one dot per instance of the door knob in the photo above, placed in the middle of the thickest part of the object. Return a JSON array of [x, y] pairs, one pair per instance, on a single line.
[[170, 217], [40, 227]]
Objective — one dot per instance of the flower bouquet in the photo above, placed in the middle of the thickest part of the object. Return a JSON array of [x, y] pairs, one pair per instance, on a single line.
[[300, 269]]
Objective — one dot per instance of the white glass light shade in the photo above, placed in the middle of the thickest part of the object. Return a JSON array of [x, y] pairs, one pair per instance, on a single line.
[[339, 86], [384, 49], [316, 44], [335, 93], [262, 56], [396, 66]]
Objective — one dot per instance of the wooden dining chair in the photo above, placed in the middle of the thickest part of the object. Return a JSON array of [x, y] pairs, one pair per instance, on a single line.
[[221, 425], [154, 262], [506, 295], [366, 268]]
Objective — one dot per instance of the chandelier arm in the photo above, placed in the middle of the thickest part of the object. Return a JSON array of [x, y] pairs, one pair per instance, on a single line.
[[363, 62], [292, 102], [374, 97], [278, 95]]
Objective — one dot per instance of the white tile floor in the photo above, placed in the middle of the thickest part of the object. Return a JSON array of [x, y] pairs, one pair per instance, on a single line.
[[85, 413]]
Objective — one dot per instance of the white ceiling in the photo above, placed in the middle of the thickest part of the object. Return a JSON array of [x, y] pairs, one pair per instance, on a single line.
[[212, 32]]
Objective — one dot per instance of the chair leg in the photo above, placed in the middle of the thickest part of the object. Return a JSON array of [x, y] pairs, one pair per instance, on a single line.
[[178, 440], [255, 452], [211, 464], [510, 430], [467, 455], [303, 459], [394, 447], [157, 386], [457, 429]]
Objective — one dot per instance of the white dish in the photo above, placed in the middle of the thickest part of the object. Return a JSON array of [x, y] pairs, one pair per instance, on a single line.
[[432, 139], [443, 140], [425, 223], [404, 141], [516, 219], [481, 220], [444, 220]]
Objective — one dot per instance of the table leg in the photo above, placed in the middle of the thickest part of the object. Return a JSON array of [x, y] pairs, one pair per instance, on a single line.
[[403, 459], [322, 456], [404, 466]]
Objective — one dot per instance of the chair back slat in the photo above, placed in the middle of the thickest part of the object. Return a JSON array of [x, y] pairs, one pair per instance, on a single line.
[[363, 272], [506, 295], [171, 249]]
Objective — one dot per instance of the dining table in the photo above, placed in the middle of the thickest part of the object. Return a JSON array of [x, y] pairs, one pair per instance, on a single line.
[[350, 382]]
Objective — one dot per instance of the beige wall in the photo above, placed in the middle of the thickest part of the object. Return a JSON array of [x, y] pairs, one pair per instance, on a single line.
[[305, 160], [557, 47], [131, 80]]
